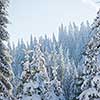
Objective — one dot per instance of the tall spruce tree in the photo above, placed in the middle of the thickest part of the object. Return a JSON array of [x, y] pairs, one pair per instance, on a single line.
[[61, 64], [5, 59], [25, 88], [54, 90], [69, 82], [91, 74], [39, 71], [18, 58]]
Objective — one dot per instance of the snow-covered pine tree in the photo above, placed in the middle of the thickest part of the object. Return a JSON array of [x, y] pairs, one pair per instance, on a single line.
[[61, 64], [91, 74], [75, 50], [5, 59], [54, 59], [39, 72], [48, 63], [41, 41], [54, 91], [62, 35], [31, 45], [25, 89], [46, 44], [31, 42], [55, 42], [69, 82], [18, 58]]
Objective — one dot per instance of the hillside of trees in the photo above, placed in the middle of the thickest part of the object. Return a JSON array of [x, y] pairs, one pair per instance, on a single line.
[[66, 67]]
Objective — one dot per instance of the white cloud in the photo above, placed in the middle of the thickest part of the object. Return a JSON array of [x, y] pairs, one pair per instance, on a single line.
[[92, 3]]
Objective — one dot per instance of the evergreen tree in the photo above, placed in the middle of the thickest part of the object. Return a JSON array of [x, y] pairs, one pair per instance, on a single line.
[[75, 50], [25, 87], [39, 72], [91, 74], [54, 91], [18, 58], [31, 42], [55, 42], [62, 37], [46, 44], [69, 82], [5, 59], [48, 63], [54, 61], [61, 64]]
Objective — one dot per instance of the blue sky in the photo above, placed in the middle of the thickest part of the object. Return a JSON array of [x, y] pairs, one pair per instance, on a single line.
[[39, 17]]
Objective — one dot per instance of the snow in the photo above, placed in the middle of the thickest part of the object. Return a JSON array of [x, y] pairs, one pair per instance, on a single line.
[[33, 97], [29, 86], [96, 82], [89, 93]]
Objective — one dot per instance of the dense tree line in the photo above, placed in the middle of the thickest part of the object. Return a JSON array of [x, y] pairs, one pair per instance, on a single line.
[[63, 68], [63, 56]]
